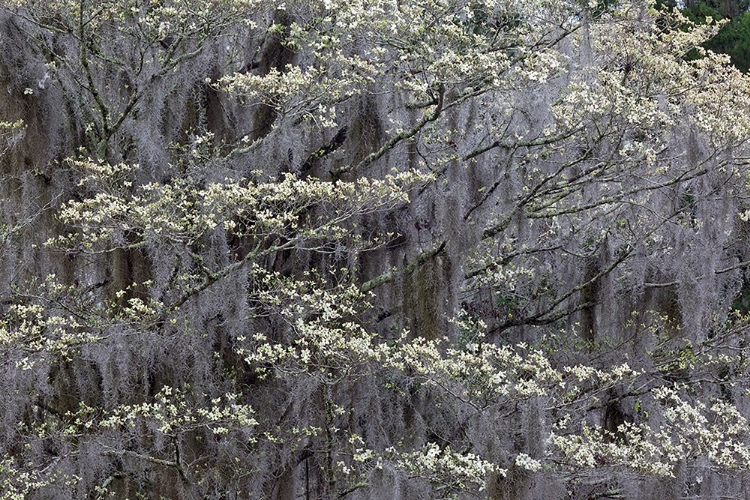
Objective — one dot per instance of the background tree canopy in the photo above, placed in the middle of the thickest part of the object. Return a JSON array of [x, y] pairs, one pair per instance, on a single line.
[[733, 38], [372, 249]]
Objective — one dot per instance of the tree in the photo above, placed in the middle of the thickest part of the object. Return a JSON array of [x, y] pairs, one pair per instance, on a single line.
[[726, 8], [733, 38], [370, 249]]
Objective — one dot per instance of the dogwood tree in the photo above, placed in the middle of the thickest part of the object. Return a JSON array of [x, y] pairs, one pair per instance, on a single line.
[[415, 249]]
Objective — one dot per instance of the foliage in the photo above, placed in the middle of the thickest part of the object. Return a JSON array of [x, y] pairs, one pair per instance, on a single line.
[[734, 38], [430, 248]]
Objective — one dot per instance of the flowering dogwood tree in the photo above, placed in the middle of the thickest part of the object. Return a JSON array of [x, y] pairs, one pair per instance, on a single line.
[[371, 249]]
